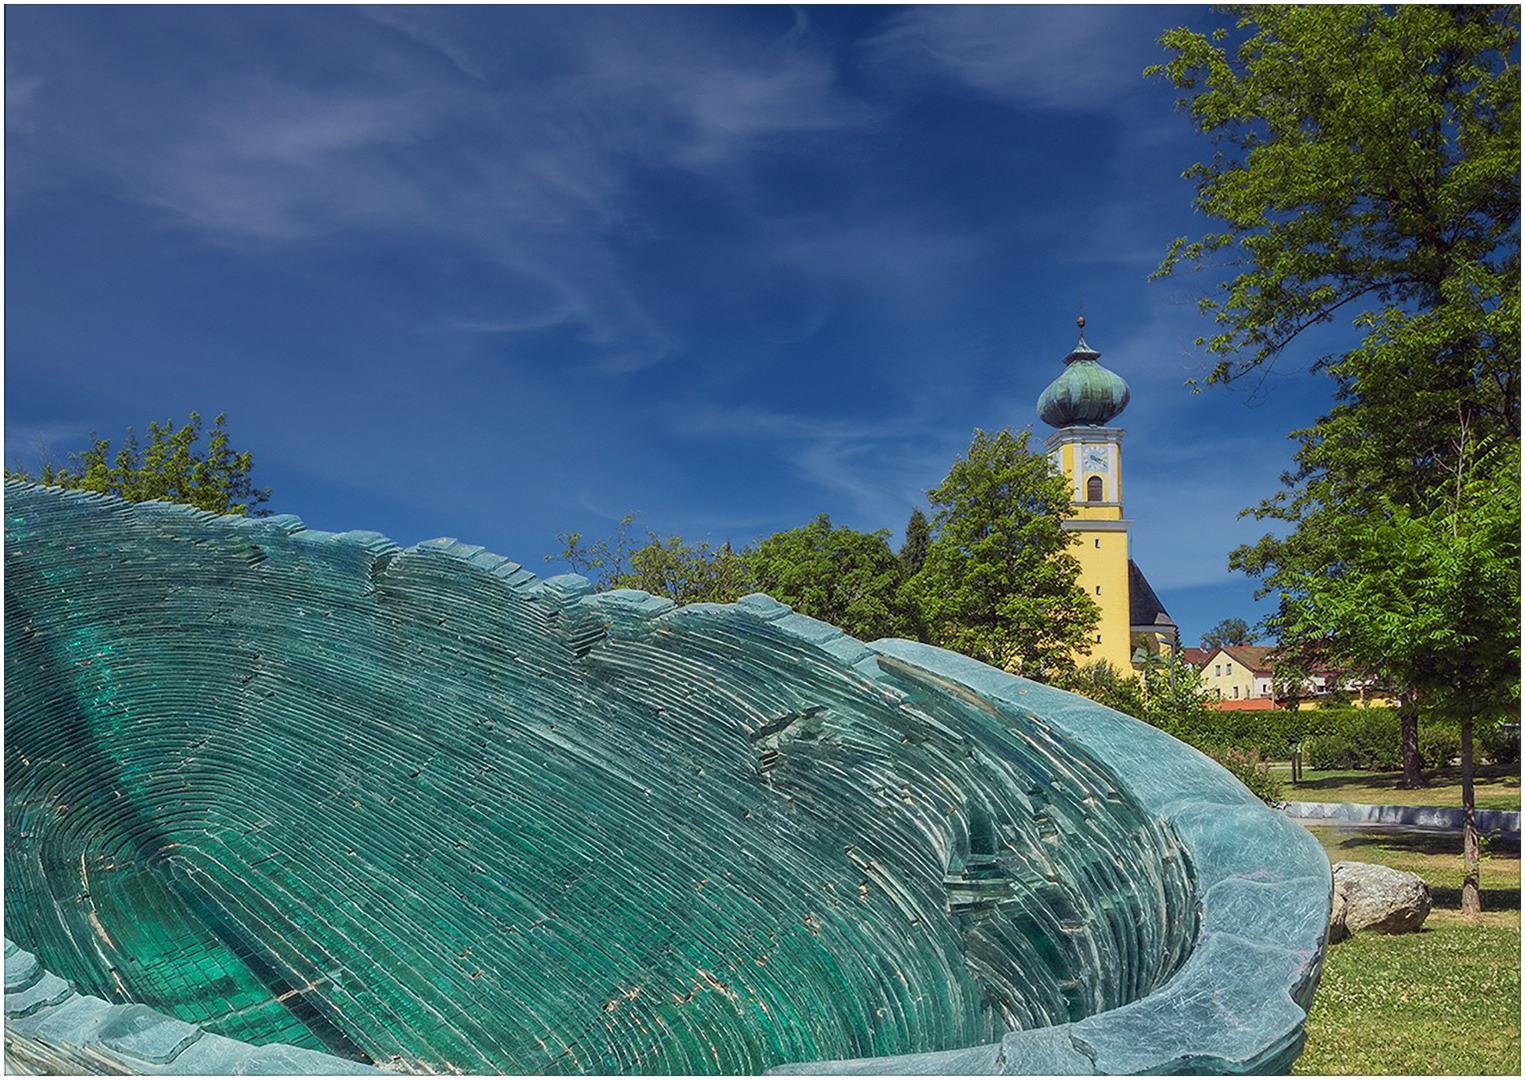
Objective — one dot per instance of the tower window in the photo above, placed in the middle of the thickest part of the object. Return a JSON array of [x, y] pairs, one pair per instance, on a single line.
[[1093, 489], [1098, 590], [1098, 541], [1098, 639]]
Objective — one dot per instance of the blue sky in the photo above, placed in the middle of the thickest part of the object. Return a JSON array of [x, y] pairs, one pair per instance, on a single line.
[[502, 272]]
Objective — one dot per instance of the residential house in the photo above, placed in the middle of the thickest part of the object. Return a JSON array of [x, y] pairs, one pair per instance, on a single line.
[[1239, 673], [1243, 677]]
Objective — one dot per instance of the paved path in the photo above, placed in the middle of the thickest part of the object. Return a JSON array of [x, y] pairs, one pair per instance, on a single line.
[[1436, 818]]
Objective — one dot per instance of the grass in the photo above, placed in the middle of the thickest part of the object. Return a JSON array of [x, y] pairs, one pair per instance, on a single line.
[[1443, 1001], [1496, 787]]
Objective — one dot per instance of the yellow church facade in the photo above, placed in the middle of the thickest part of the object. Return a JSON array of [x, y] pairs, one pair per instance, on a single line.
[[1088, 453]]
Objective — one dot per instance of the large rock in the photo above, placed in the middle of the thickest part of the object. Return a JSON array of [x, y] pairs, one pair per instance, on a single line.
[[1371, 897]]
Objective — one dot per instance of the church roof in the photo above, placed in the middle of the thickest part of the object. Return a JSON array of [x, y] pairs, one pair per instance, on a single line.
[[1144, 607], [1086, 393]]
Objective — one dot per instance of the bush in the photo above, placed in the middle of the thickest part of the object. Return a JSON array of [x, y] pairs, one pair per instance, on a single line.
[[1253, 771], [1376, 740], [1342, 738], [1498, 744], [1274, 732], [1362, 742], [1438, 746], [1329, 752]]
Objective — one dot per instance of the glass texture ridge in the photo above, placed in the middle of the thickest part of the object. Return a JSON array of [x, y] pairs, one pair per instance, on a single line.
[[325, 800]]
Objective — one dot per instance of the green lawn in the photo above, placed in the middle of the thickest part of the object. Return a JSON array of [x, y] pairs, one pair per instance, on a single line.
[[1445, 1000], [1497, 787]]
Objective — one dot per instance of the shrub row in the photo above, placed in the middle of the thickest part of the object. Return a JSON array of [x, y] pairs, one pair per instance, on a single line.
[[1352, 738], [1273, 733]]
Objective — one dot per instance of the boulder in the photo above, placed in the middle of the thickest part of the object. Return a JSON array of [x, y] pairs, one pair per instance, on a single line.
[[1371, 897]]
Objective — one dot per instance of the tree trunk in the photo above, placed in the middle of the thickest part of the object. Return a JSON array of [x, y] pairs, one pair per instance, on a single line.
[[1408, 724], [1471, 898]]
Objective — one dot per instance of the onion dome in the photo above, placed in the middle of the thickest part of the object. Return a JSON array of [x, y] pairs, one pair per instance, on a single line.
[[1086, 393]]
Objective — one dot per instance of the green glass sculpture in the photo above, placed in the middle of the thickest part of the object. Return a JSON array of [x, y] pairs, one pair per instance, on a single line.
[[281, 800]]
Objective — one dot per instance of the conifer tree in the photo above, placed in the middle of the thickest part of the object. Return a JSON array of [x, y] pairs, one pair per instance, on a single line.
[[918, 538]]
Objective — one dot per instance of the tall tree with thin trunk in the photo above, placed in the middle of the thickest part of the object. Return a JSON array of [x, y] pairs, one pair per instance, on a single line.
[[1432, 597], [1367, 164]]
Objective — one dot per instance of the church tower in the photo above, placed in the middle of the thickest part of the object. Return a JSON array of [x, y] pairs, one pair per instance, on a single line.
[[1081, 403]]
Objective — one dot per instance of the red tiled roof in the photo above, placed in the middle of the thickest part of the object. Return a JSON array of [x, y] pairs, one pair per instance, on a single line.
[[1196, 657]]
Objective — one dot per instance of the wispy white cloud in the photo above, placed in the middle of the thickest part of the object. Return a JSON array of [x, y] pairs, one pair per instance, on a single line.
[[262, 160], [532, 178], [1083, 61], [1065, 57], [694, 97], [20, 96], [865, 472], [429, 28], [904, 256]]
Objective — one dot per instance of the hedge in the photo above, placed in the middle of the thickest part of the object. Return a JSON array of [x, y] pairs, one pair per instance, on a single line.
[[1351, 737], [1274, 732]]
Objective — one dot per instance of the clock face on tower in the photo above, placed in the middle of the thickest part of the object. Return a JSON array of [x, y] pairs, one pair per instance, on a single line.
[[1094, 459]]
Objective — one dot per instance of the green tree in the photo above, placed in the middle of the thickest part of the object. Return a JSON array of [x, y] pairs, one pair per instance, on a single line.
[[685, 573], [918, 538], [1170, 694], [600, 562], [998, 583], [1103, 683], [1362, 153], [913, 556], [1430, 598], [1228, 632], [1176, 696], [848, 578], [1367, 159], [688, 574], [171, 468]]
